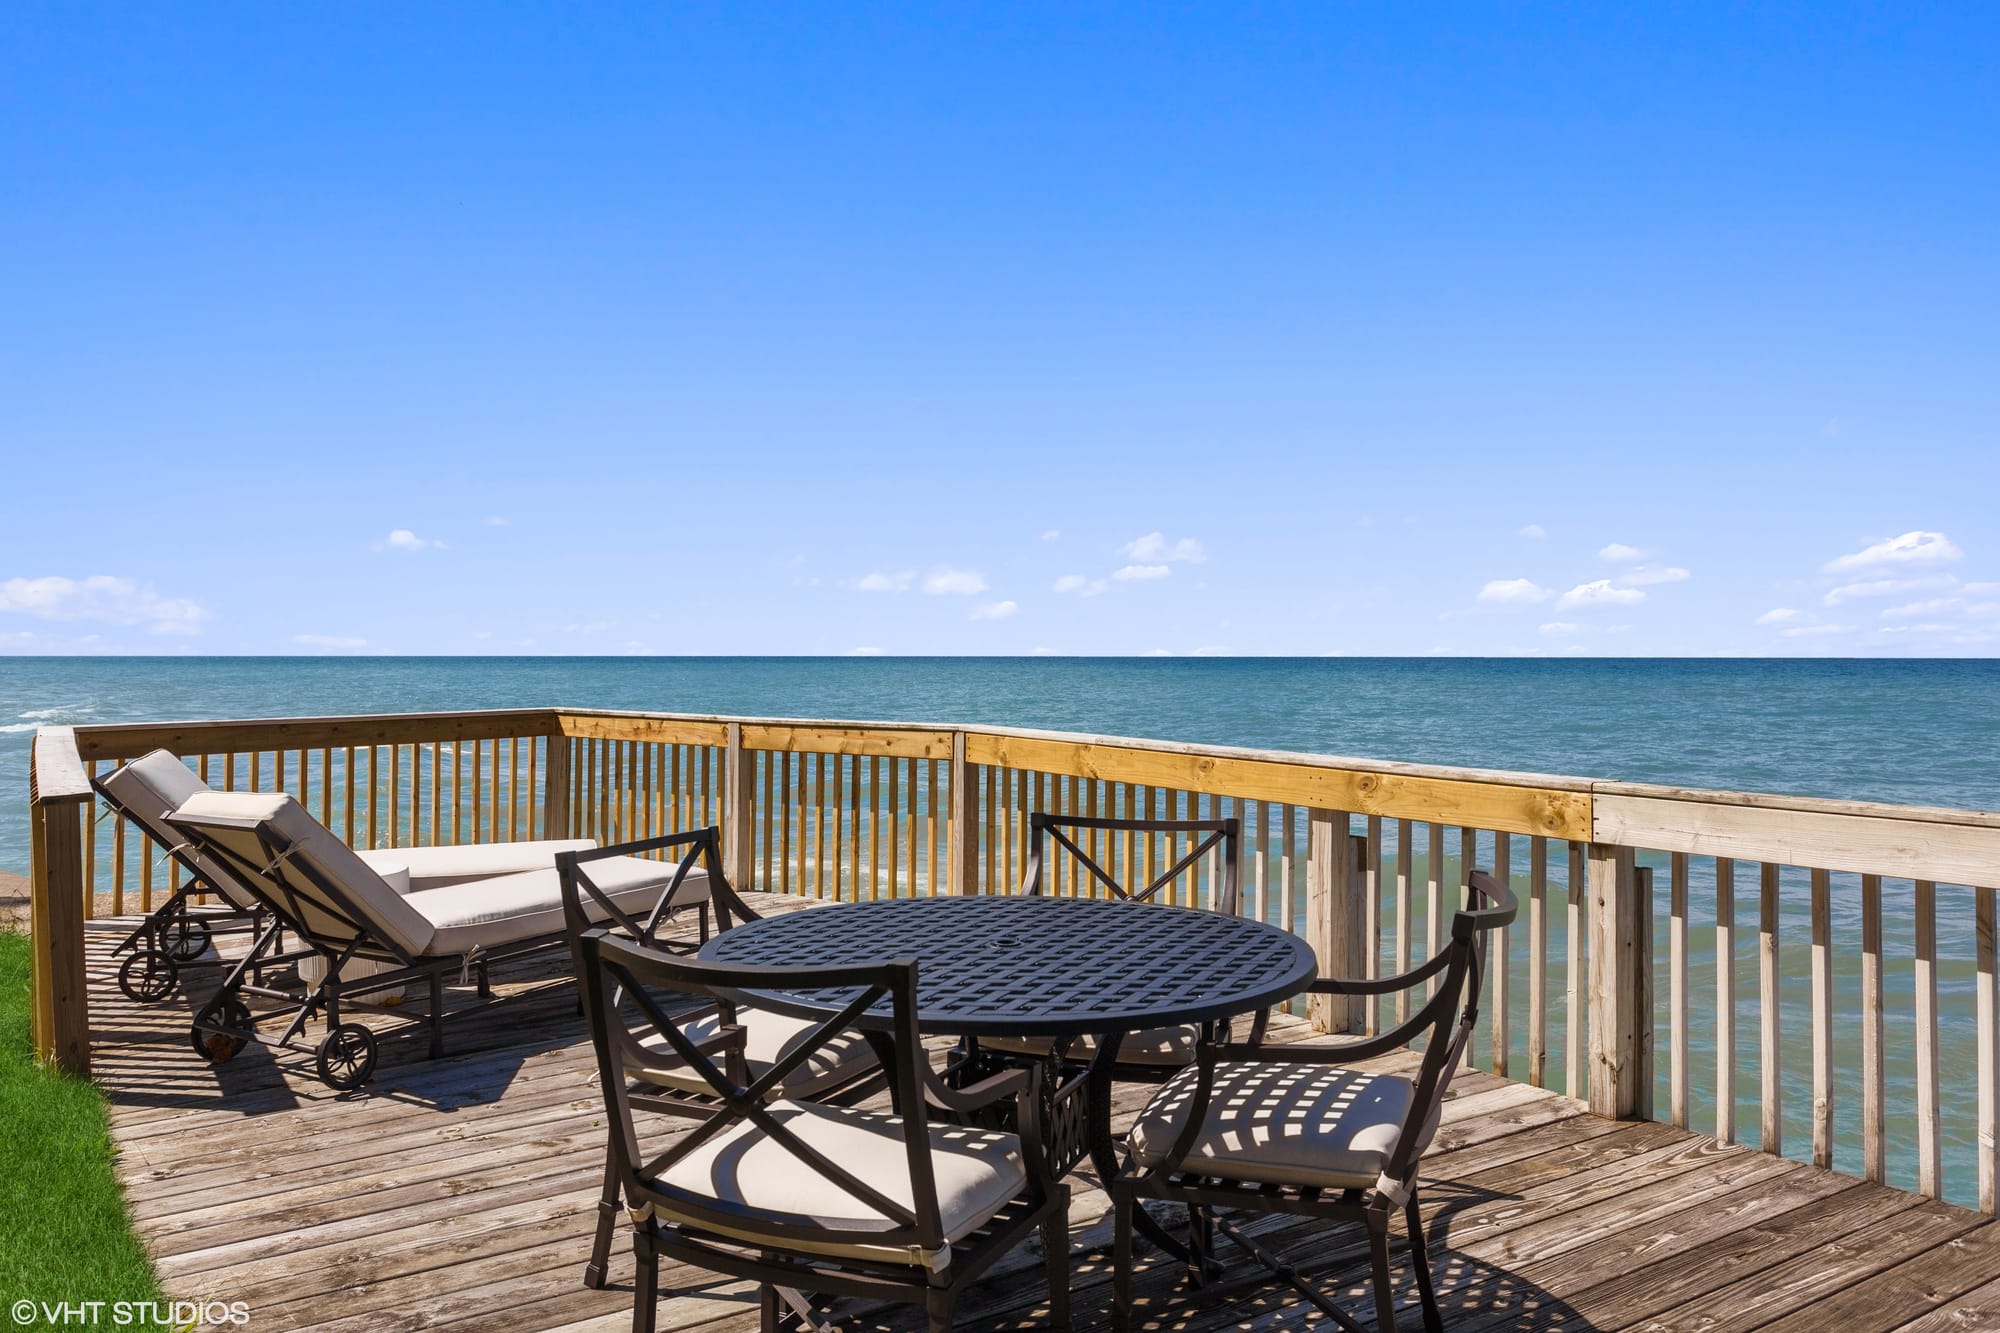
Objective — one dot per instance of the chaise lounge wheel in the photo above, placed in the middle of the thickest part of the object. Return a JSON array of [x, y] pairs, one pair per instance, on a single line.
[[185, 939], [219, 1048], [347, 1057], [148, 976]]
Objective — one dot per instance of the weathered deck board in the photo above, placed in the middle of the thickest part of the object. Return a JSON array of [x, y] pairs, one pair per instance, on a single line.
[[460, 1194]]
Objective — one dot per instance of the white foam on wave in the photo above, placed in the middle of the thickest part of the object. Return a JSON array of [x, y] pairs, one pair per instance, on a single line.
[[21, 726], [56, 714]]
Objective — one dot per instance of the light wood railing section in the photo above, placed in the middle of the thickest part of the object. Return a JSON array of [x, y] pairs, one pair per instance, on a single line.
[[1818, 977]]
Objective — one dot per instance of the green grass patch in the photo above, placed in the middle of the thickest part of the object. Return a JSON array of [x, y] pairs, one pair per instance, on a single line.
[[64, 1232]]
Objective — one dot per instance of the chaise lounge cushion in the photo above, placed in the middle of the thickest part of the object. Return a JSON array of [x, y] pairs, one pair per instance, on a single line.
[[977, 1173], [442, 867], [490, 912], [1285, 1124], [232, 819], [768, 1036], [153, 786]]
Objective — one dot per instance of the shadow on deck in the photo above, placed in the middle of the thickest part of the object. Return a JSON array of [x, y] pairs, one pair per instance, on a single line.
[[461, 1193]]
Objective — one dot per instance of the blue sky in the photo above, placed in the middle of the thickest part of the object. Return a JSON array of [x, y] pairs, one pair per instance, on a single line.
[[1282, 329]]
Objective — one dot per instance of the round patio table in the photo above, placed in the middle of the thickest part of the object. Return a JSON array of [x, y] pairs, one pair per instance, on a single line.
[[1032, 966]]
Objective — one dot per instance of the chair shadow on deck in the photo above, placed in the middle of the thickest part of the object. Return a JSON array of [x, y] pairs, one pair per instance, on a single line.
[[1471, 1292]]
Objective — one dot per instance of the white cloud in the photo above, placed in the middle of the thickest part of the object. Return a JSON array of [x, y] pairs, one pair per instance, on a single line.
[[944, 581], [1535, 531], [1599, 592], [1131, 572], [1983, 611], [864, 652], [1053, 534], [1803, 631], [878, 581], [1848, 592], [994, 611], [1929, 607], [1650, 574], [1982, 589], [1556, 629], [1154, 548], [1507, 592], [102, 597], [1777, 615], [496, 521], [1080, 585], [1928, 628], [1912, 548], [329, 641], [402, 539], [1621, 553]]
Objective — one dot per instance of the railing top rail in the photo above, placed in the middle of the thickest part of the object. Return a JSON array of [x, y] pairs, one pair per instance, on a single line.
[[1819, 805], [55, 769], [126, 740], [1640, 803]]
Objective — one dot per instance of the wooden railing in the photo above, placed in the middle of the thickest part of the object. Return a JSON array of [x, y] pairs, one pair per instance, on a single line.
[[1896, 1049]]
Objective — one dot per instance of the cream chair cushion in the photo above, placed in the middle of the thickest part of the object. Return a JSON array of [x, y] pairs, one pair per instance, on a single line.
[[442, 867], [153, 786], [510, 908], [977, 1173], [768, 1036], [1285, 1124], [231, 819], [312, 970], [1168, 1048]]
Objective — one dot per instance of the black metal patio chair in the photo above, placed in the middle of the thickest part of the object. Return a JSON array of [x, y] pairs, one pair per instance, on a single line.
[[844, 1069], [1300, 1132], [809, 1200], [1157, 1053]]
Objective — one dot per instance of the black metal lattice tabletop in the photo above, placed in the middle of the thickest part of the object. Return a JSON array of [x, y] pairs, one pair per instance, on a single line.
[[1037, 966]]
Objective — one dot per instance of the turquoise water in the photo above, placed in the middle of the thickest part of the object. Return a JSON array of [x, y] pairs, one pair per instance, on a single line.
[[1916, 732]]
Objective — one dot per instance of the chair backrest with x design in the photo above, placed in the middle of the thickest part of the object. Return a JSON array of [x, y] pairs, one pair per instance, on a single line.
[[694, 853], [614, 969], [1071, 833]]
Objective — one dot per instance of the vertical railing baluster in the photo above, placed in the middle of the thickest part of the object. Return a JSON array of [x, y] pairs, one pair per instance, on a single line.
[[1874, 1149], [1822, 1018]]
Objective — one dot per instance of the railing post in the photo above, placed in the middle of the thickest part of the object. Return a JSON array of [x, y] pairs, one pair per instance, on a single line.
[[57, 793], [555, 786], [964, 821], [1333, 919], [1621, 999], [739, 810]]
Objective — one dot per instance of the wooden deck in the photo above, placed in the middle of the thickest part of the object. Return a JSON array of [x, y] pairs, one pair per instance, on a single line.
[[460, 1194]]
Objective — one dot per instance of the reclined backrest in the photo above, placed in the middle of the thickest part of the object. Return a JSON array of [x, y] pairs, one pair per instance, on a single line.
[[150, 788], [305, 871]]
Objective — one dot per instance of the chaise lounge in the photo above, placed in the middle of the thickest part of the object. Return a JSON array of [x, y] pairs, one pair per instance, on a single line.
[[384, 920]]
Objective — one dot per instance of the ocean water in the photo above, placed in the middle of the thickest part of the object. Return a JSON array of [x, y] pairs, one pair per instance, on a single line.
[[1917, 732]]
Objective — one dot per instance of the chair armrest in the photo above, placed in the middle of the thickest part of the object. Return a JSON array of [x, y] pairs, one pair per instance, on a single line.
[[1007, 1083], [1409, 980]]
